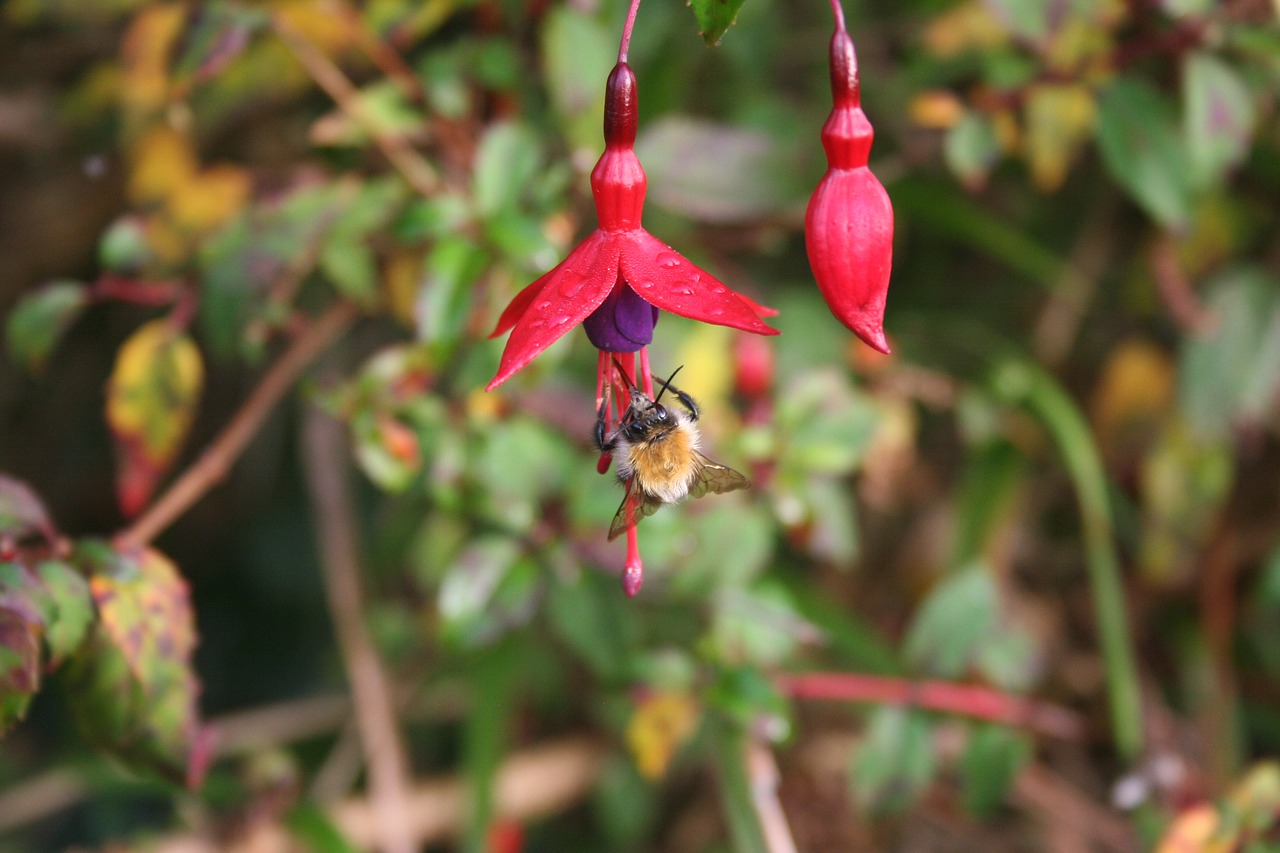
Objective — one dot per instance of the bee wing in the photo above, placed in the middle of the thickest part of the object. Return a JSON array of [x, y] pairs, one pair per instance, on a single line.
[[643, 505], [717, 478]]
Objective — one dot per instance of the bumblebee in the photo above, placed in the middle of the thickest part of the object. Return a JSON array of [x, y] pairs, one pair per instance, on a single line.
[[656, 448]]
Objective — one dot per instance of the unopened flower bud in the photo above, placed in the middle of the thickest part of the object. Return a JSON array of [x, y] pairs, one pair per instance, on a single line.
[[849, 224]]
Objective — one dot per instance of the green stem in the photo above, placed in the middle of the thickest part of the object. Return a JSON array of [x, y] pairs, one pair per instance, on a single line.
[[1024, 384]]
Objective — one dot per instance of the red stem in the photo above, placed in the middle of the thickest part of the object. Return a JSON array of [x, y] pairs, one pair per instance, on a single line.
[[968, 700], [625, 44], [838, 11]]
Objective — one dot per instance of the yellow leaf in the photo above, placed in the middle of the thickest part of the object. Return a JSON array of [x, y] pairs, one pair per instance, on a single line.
[[969, 26], [660, 725], [151, 402], [402, 281], [146, 49], [1196, 831], [320, 22], [707, 374], [1133, 394], [1059, 119], [210, 198], [163, 163], [936, 109]]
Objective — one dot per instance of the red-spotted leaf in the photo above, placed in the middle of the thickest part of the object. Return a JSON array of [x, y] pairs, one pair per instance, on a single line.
[[40, 318], [22, 513], [20, 629], [1219, 115], [151, 401], [133, 690]]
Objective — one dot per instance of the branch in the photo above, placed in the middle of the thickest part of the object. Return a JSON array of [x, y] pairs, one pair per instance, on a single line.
[[328, 76], [762, 771], [218, 457], [982, 703], [325, 450]]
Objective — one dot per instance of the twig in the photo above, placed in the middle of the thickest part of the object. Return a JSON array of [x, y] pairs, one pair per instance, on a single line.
[[1040, 790], [968, 700], [1059, 322], [218, 457], [375, 717], [762, 770], [412, 167], [536, 782], [1175, 289], [383, 55]]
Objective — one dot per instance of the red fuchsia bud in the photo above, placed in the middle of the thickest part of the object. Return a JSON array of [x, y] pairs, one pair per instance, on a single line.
[[752, 366], [849, 224]]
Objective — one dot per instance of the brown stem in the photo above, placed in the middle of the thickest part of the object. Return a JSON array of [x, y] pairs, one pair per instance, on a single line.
[[412, 167], [1175, 289], [383, 55], [982, 703], [762, 771], [216, 460], [325, 450]]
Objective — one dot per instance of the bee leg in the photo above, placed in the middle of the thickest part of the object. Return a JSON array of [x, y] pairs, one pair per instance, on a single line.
[[685, 400], [605, 446]]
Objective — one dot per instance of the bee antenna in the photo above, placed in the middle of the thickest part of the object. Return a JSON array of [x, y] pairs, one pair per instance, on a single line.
[[667, 384], [623, 373]]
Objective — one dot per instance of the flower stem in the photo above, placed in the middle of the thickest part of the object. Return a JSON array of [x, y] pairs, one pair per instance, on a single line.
[[838, 11], [625, 44]]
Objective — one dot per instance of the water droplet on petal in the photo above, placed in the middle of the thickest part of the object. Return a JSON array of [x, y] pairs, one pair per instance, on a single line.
[[646, 285], [544, 305], [684, 290], [668, 259]]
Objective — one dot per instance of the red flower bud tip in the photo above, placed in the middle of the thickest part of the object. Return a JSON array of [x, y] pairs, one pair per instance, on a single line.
[[849, 224], [633, 572]]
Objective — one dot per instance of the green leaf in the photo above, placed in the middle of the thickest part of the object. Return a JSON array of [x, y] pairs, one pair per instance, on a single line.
[[759, 626], [1219, 116], [894, 762], [577, 53], [220, 33], [972, 149], [1229, 374], [992, 758], [508, 159], [1142, 147], [736, 796], [714, 17], [312, 828], [350, 265], [22, 513], [444, 302], [493, 678], [696, 168], [40, 318], [954, 620], [69, 608], [1029, 19], [590, 617], [626, 806]]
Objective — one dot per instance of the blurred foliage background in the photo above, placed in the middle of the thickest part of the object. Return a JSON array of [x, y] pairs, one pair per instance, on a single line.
[[1015, 587]]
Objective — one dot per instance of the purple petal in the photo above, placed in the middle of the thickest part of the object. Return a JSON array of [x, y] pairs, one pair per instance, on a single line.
[[623, 323]]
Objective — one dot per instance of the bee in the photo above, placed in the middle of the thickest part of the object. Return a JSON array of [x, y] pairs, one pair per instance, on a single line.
[[656, 447]]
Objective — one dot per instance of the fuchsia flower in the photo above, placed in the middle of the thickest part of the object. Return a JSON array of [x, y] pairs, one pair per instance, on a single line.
[[849, 224], [617, 280]]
